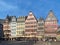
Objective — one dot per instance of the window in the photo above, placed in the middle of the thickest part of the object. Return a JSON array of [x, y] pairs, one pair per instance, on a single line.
[[31, 26], [40, 24], [13, 32], [49, 18], [31, 19], [30, 23]]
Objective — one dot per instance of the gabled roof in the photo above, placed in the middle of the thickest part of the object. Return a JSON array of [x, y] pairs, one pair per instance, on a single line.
[[11, 17], [31, 13], [2, 21], [21, 18], [51, 16], [8, 18], [41, 18], [26, 17]]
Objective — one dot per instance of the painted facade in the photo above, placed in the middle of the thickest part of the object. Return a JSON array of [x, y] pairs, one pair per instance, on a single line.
[[30, 25], [51, 25], [6, 28], [13, 27], [1, 28], [20, 26], [40, 30], [1, 31], [58, 32]]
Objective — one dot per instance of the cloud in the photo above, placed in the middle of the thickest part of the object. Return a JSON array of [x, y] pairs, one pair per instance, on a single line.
[[5, 6]]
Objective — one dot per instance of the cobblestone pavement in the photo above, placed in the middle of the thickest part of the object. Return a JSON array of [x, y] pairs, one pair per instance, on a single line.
[[28, 43], [47, 43], [17, 43]]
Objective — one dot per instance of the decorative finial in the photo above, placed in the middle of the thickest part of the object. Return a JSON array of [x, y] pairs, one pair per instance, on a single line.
[[51, 10], [30, 12]]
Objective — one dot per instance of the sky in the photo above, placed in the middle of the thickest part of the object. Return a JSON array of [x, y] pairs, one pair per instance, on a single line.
[[40, 8]]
